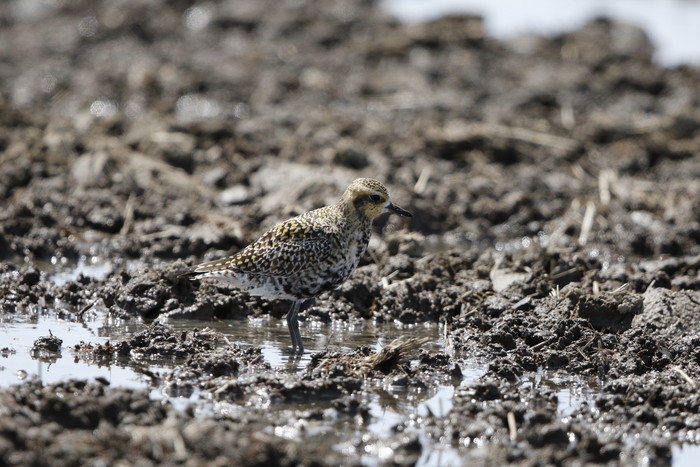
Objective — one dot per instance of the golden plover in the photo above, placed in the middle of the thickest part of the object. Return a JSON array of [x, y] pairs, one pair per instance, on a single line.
[[306, 255]]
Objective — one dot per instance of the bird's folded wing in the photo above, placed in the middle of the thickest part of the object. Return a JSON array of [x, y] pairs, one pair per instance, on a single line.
[[283, 251]]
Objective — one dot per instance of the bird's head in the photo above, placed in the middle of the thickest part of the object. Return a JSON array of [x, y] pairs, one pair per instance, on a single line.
[[369, 198]]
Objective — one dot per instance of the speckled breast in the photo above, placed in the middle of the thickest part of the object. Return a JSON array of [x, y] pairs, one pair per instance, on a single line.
[[336, 270]]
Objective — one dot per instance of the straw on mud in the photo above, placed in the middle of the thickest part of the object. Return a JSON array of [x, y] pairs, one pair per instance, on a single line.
[[374, 256], [554, 293], [465, 313], [422, 182], [85, 308], [141, 169], [566, 114], [650, 286], [543, 343], [170, 231], [128, 215], [564, 222], [684, 375], [395, 350], [587, 223], [362, 366], [579, 172], [180, 447], [512, 427], [461, 130], [604, 179], [529, 136], [564, 273], [228, 342], [387, 278]]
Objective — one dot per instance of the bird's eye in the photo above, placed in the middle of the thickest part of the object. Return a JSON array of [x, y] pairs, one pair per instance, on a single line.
[[375, 198]]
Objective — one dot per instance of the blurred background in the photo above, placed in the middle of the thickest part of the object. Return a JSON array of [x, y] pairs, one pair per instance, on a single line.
[[672, 25], [137, 118]]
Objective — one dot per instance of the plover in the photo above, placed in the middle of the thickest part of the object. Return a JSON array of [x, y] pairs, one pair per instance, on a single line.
[[309, 254]]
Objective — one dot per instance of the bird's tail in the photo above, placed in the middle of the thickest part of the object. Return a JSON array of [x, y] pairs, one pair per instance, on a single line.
[[189, 273]]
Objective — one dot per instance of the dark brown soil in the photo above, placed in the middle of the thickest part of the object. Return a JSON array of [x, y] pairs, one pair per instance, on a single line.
[[555, 184]]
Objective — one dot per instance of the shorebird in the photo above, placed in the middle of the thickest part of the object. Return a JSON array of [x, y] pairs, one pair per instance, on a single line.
[[309, 254]]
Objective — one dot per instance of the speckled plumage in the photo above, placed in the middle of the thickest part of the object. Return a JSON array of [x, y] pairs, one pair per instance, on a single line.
[[308, 254]]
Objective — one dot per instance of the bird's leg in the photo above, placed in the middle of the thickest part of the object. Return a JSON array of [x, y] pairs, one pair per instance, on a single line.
[[293, 325], [303, 306], [300, 346], [290, 324]]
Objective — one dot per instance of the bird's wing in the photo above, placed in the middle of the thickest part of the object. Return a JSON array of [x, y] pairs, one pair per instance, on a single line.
[[284, 250]]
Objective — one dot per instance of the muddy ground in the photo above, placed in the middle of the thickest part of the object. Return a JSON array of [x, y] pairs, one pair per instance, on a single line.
[[555, 184]]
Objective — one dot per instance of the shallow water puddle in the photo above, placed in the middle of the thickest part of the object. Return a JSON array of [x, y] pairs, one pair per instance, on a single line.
[[88, 266], [389, 406], [385, 419], [272, 336], [571, 392], [17, 336]]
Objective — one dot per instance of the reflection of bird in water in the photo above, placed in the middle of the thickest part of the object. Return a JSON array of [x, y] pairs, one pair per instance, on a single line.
[[306, 255]]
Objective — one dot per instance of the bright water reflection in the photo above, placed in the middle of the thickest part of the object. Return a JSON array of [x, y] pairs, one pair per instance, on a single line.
[[17, 336], [92, 266], [272, 336]]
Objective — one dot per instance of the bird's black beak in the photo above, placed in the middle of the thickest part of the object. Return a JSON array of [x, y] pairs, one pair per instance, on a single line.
[[401, 212]]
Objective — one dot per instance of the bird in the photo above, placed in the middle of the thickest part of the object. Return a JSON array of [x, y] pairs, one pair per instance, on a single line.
[[307, 255]]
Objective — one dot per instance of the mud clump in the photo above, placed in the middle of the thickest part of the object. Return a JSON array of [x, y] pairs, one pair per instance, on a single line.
[[48, 344], [106, 425], [47, 348], [362, 364], [609, 312], [151, 293]]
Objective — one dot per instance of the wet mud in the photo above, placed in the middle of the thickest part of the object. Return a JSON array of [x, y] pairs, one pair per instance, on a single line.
[[554, 184]]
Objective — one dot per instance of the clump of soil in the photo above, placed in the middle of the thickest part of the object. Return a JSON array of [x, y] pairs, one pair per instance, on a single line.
[[94, 423], [47, 348], [48, 344]]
